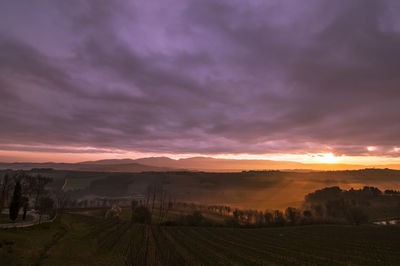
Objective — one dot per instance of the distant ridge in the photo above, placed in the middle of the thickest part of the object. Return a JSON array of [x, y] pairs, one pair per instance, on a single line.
[[225, 165], [195, 164], [107, 166]]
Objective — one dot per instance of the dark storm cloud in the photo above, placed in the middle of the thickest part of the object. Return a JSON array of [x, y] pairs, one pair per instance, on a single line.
[[201, 76]]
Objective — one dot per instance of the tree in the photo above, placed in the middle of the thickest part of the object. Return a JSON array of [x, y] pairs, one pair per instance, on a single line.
[[228, 210], [24, 215], [292, 215], [356, 215], [38, 187], [268, 217], [307, 213], [236, 215], [15, 202], [318, 210], [25, 204], [6, 186], [45, 206], [278, 218], [62, 200]]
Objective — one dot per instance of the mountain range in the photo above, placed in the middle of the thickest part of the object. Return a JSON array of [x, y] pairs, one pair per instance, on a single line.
[[189, 164]]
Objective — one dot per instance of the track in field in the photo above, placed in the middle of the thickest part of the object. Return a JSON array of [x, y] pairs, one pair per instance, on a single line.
[[302, 245]]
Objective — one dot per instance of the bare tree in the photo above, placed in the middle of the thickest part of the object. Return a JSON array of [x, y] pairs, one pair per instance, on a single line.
[[39, 187], [62, 199], [45, 206]]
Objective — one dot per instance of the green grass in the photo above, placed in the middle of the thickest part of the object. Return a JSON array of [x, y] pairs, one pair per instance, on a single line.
[[63, 242], [22, 246], [84, 240]]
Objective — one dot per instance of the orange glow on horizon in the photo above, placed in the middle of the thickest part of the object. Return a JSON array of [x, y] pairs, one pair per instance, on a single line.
[[327, 158], [88, 154]]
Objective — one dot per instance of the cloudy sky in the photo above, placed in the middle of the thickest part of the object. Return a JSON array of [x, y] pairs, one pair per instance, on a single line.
[[255, 79]]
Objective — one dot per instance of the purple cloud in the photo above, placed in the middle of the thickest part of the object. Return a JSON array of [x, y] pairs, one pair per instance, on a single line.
[[201, 76]]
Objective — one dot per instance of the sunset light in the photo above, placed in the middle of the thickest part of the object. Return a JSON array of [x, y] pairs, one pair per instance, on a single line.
[[199, 132], [371, 148], [327, 158]]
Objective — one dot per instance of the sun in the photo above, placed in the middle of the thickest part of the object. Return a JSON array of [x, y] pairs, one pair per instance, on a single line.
[[327, 158]]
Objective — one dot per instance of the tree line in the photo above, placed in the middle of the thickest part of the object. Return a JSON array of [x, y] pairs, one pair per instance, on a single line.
[[22, 191], [327, 205]]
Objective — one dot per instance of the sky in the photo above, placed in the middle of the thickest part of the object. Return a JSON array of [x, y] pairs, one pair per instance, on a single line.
[[310, 81]]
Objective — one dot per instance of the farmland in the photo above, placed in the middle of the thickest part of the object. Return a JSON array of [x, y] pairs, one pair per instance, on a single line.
[[78, 239], [252, 189], [332, 226]]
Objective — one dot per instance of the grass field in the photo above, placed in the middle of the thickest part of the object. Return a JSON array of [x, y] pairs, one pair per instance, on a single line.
[[83, 240]]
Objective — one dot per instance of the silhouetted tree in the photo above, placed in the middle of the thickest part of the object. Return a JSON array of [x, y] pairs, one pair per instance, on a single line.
[[24, 215], [45, 206], [292, 215], [325, 194], [335, 208], [62, 198], [39, 187], [15, 202], [236, 215], [356, 215], [278, 218], [25, 204], [268, 218], [318, 210], [6, 187], [392, 192], [307, 213]]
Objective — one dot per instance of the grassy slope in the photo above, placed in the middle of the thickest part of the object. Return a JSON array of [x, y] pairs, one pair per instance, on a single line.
[[23, 246], [63, 242], [80, 240]]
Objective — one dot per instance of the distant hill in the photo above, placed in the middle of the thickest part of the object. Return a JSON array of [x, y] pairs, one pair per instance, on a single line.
[[109, 162], [207, 164], [226, 165], [106, 166]]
